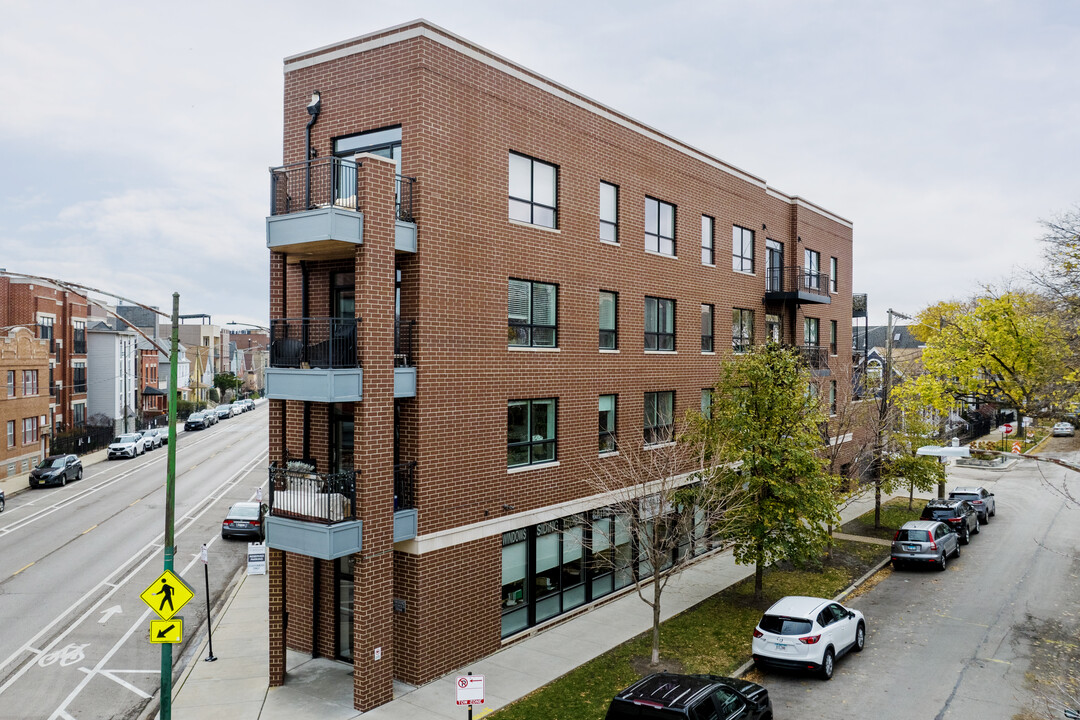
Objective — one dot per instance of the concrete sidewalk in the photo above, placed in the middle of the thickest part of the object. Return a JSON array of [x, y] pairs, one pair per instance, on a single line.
[[236, 685]]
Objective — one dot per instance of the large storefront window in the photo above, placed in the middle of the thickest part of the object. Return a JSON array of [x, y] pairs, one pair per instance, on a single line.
[[514, 571]]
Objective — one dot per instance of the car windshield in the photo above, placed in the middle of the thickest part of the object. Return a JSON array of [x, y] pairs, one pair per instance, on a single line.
[[964, 496], [248, 512], [52, 462], [938, 513], [127, 438], [913, 535], [785, 625]]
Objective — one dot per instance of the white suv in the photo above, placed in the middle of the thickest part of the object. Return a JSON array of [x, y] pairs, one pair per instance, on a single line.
[[127, 445], [807, 633]]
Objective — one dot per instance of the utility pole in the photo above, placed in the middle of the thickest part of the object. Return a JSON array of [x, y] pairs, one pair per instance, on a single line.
[[884, 415], [170, 502]]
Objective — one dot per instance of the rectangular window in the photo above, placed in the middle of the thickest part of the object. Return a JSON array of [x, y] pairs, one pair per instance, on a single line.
[[515, 591], [773, 328], [607, 423], [832, 337], [706, 328], [532, 309], [810, 331], [659, 324], [30, 382], [707, 239], [79, 338], [832, 397], [30, 430], [533, 191], [530, 432], [609, 313], [609, 212], [659, 417], [78, 379], [832, 274], [812, 268], [659, 226], [11, 383], [80, 414], [742, 249], [706, 402], [742, 330], [11, 433], [45, 331]]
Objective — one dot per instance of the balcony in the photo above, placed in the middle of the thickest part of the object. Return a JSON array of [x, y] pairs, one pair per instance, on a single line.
[[315, 359], [312, 513], [405, 521], [404, 222], [796, 284], [815, 357], [404, 370]]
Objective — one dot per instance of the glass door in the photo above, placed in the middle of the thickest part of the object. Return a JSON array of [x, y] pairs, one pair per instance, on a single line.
[[344, 625], [774, 266]]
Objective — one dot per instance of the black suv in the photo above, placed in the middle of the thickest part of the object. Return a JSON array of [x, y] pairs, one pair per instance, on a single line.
[[959, 515], [699, 697]]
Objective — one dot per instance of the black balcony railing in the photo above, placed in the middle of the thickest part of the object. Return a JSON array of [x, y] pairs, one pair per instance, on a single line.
[[794, 279], [314, 343], [326, 182], [324, 498], [815, 356], [403, 486], [403, 337]]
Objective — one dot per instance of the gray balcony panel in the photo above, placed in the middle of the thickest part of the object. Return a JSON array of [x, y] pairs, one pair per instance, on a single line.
[[404, 525], [315, 539], [284, 232], [405, 236], [404, 382], [323, 385]]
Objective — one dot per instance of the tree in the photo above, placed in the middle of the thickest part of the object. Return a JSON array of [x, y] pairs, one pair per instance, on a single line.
[[763, 436], [1010, 349], [916, 429], [226, 381], [1061, 251], [664, 509]]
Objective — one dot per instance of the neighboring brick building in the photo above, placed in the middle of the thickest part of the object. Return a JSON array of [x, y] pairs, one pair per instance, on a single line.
[[525, 264], [24, 400], [58, 316]]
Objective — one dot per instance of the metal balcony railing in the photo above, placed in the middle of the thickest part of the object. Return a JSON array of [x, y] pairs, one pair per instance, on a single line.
[[403, 337], [328, 182], [796, 278], [314, 343], [324, 498], [403, 486], [815, 356]]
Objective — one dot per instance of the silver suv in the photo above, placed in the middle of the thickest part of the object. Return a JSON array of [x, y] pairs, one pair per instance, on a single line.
[[924, 541], [980, 498]]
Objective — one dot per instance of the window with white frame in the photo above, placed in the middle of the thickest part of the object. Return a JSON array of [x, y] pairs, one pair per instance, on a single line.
[[708, 255], [607, 423], [11, 433], [11, 383], [742, 330], [659, 417], [30, 430], [531, 309], [742, 249], [833, 270], [609, 212], [533, 191], [659, 324], [30, 382], [530, 431], [659, 226], [706, 328], [609, 313]]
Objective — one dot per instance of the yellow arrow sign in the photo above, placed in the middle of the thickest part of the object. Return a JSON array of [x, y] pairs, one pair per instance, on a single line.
[[167, 595], [167, 631]]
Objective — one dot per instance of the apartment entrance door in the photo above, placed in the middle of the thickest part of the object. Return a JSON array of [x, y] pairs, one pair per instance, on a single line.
[[343, 627], [774, 266]]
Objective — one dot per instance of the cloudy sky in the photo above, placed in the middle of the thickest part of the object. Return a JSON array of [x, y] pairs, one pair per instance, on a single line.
[[135, 137]]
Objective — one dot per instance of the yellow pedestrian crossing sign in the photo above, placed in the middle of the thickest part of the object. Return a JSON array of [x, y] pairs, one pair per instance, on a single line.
[[167, 595], [167, 631]]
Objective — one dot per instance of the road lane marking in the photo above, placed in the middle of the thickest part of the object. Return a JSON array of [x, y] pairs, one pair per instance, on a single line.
[[89, 529], [121, 681], [22, 568], [137, 500]]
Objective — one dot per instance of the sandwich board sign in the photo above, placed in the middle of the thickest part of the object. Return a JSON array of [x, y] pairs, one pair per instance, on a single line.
[[256, 559]]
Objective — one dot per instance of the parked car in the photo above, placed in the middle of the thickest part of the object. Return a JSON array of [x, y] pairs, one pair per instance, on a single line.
[[980, 498], [196, 421], [244, 519], [127, 445], [807, 633], [56, 470], [667, 695], [249, 404], [924, 541], [223, 411], [1064, 429], [163, 435], [153, 440], [1, 501], [211, 416], [959, 515]]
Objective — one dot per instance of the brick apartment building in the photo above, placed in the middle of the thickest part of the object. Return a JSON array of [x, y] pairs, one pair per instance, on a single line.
[[479, 266], [24, 400], [58, 316]]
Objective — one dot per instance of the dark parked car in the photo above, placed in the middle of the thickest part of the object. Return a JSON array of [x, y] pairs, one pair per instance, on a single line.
[[957, 514], [666, 695], [924, 541], [56, 470], [1, 501], [244, 519], [196, 421], [980, 498]]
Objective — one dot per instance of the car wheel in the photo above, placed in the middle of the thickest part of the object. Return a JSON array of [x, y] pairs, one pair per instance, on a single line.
[[977, 529], [78, 476], [944, 559], [957, 554], [994, 511], [63, 480], [860, 638], [1, 505], [986, 518], [827, 665], [966, 537]]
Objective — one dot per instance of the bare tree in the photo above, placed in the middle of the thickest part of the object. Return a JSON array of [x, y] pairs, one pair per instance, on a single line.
[[666, 513]]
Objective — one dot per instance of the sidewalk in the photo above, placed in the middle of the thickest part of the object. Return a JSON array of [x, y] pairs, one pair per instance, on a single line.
[[236, 685]]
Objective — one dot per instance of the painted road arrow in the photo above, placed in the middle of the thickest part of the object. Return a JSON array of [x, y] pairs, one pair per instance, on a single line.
[[106, 614]]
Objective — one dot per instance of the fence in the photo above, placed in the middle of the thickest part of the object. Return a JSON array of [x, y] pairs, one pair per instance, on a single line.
[[81, 441]]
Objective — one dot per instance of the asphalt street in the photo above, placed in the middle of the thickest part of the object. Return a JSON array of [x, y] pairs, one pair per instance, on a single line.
[[74, 560]]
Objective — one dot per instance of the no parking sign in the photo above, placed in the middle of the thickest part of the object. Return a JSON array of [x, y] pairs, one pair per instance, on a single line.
[[470, 689]]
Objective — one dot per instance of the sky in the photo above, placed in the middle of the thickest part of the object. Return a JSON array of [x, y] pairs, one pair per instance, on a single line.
[[135, 138]]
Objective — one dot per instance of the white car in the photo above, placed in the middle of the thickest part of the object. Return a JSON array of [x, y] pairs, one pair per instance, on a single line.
[[153, 439], [1064, 429], [127, 445], [807, 633]]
